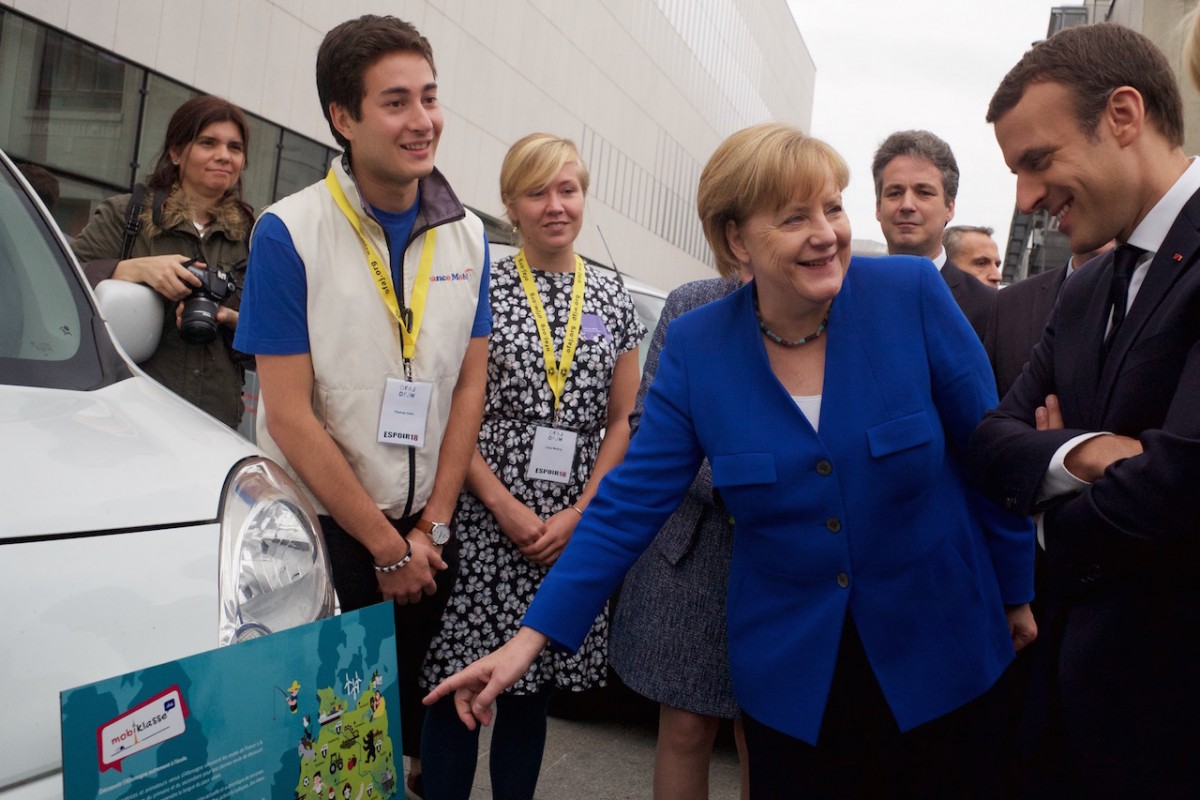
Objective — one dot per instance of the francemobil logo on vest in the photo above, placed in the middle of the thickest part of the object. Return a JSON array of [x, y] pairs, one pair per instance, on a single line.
[[464, 275]]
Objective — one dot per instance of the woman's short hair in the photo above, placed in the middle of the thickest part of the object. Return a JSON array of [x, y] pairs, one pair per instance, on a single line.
[[757, 168], [532, 162], [1191, 47], [186, 123]]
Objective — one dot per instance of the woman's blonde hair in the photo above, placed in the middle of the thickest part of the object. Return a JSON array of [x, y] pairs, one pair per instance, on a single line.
[[761, 167], [1191, 47], [532, 162]]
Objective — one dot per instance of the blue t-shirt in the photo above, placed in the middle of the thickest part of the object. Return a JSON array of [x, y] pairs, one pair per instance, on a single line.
[[274, 311]]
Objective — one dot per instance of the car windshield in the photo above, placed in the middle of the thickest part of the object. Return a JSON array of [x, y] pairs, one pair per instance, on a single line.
[[649, 308], [46, 336]]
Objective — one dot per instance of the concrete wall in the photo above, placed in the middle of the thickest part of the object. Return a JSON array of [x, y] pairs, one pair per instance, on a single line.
[[1163, 22], [647, 88]]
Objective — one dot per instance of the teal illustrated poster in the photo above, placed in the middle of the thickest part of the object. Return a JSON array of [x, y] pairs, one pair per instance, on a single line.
[[311, 713]]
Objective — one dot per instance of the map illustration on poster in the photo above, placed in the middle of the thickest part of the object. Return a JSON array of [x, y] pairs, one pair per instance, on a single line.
[[311, 713]]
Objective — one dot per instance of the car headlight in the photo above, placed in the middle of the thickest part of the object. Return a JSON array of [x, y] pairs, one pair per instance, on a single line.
[[274, 570]]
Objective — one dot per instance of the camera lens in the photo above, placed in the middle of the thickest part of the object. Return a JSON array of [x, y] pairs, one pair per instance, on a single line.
[[199, 320]]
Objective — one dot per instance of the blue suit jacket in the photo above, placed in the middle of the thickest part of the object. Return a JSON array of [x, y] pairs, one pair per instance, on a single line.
[[872, 514]]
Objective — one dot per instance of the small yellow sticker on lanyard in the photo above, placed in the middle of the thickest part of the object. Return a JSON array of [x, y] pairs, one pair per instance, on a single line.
[[556, 370], [408, 318]]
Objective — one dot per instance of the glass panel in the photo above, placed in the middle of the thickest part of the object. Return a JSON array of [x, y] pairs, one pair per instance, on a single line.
[[76, 202], [65, 104], [163, 96], [301, 162], [259, 177], [74, 109]]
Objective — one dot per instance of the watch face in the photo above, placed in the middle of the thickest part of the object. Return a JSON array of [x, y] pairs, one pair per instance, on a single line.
[[439, 533]]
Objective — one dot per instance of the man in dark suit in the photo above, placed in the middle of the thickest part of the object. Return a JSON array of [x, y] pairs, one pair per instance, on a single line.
[[916, 181], [1101, 432], [1020, 315]]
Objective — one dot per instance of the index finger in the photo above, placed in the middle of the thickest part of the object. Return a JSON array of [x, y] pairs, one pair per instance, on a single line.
[[187, 277], [448, 685]]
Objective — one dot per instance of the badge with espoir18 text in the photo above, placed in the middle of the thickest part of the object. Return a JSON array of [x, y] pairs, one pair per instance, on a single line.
[[405, 412], [553, 454]]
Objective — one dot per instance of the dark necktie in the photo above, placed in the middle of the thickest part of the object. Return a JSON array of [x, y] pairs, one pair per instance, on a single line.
[[1124, 260]]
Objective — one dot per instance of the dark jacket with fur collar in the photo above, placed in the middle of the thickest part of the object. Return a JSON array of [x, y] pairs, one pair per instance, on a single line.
[[208, 375]]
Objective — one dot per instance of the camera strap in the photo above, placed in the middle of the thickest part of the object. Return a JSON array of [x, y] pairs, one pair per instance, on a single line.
[[133, 220]]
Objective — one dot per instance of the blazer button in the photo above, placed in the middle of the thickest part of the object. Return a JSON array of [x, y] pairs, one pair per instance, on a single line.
[[843, 580], [824, 468], [833, 524]]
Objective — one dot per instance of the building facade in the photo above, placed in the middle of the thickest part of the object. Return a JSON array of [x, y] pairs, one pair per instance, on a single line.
[[646, 88]]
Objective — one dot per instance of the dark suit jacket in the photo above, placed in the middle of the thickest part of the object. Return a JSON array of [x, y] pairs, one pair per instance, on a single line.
[[870, 515], [1124, 552], [1016, 323], [972, 296]]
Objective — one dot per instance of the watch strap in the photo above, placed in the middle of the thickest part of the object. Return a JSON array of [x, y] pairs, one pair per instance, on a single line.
[[427, 526]]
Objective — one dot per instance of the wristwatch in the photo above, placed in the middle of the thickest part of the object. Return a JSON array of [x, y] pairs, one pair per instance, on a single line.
[[439, 532]]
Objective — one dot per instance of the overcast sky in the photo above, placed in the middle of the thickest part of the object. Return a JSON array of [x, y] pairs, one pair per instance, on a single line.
[[884, 66]]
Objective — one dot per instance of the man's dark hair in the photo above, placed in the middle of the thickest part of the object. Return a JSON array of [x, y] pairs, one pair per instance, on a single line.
[[917, 144], [43, 182], [1092, 61], [350, 49]]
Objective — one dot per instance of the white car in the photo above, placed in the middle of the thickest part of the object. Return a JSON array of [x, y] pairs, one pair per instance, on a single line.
[[134, 528]]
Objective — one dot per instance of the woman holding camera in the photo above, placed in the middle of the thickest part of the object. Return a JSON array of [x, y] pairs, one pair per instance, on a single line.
[[186, 235]]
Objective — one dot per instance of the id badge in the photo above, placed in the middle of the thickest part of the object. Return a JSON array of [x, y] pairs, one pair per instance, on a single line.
[[553, 455], [405, 412]]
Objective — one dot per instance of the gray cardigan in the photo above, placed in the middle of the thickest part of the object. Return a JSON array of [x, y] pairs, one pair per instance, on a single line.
[[677, 534]]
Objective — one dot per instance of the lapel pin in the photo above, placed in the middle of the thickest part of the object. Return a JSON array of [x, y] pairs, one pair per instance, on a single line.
[[1178, 257]]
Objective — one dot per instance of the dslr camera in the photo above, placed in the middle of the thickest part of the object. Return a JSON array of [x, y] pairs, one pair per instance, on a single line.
[[199, 320]]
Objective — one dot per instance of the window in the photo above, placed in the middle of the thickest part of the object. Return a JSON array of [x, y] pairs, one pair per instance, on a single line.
[[98, 122]]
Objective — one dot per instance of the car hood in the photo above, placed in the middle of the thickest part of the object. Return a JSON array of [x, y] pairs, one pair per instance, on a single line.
[[110, 459]]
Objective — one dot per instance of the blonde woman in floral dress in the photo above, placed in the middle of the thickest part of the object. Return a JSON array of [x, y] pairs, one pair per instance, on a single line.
[[545, 443]]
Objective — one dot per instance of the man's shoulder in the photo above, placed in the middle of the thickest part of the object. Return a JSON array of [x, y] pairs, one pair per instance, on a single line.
[[975, 299], [469, 221], [957, 276], [300, 201], [1029, 287]]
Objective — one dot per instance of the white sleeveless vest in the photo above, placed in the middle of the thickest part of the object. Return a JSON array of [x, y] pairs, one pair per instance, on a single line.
[[354, 340]]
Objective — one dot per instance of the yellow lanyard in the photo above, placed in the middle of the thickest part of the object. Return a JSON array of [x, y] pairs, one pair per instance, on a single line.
[[556, 371], [409, 318]]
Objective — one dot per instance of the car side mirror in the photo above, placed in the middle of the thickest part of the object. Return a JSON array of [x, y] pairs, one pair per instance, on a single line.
[[134, 313]]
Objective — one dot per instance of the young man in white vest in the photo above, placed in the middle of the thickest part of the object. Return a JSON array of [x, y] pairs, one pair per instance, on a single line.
[[366, 306]]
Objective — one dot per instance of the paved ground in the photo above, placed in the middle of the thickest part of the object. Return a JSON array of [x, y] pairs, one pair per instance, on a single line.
[[608, 759]]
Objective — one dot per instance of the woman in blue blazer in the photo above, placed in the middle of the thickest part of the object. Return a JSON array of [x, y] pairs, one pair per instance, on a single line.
[[874, 597]]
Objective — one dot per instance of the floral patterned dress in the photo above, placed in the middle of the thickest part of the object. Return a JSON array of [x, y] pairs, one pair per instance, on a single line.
[[496, 583]]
